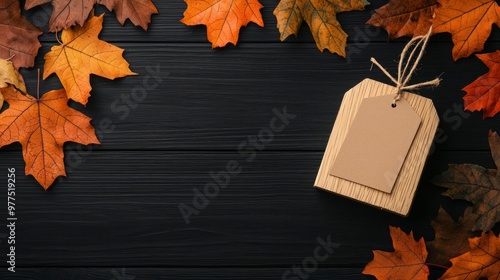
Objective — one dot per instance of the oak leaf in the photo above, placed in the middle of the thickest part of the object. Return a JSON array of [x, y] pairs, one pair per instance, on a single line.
[[482, 261], [223, 18], [469, 23], [404, 18], [82, 53], [478, 185], [138, 11], [451, 237], [321, 17], [10, 76], [65, 13], [484, 92], [42, 126], [406, 262], [19, 38]]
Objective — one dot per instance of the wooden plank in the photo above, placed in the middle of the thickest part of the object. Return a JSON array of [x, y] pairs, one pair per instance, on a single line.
[[240, 273], [166, 27], [235, 273], [122, 209], [216, 99]]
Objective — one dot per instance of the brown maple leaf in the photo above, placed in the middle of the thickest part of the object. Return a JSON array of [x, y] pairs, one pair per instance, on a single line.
[[469, 23], [223, 18], [138, 11], [451, 237], [19, 38], [406, 262], [42, 126], [482, 261], [478, 185], [404, 18], [484, 92], [321, 17], [82, 53], [65, 13]]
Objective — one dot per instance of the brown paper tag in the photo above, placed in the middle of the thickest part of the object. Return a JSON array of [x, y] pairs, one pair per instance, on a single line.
[[377, 143]]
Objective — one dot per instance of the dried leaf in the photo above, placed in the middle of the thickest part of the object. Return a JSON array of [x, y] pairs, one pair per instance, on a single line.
[[478, 185], [19, 37], [321, 17], [484, 92], [406, 262], [65, 13], [404, 18], [223, 18], [138, 11], [42, 126], [469, 23], [82, 53], [9, 76], [482, 261], [451, 237]]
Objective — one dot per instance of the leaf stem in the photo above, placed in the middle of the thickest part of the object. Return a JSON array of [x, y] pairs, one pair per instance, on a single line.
[[57, 38], [436, 265], [38, 86]]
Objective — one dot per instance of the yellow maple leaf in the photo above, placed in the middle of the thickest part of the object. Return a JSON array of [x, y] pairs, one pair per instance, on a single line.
[[10, 76], [82, 53], [321, 16]]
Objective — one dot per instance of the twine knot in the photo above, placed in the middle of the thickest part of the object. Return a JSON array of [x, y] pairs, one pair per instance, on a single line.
[[403, 76]]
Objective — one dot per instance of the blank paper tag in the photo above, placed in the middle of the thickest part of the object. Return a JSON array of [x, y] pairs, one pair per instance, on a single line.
[[377, 143]]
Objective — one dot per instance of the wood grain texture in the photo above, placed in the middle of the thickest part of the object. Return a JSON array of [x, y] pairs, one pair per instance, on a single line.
[[119, 206], [240, 273], [401, 197], [166, 27], [214, 99], [121, 209]]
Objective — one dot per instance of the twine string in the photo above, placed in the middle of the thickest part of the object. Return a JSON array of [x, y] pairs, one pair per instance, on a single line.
[[405, 72]]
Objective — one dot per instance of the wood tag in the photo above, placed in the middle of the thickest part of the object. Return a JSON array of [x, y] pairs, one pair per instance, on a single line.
[[400, 199], [377, 143]]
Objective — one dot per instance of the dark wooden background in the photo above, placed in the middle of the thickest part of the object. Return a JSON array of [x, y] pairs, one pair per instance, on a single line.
[[116, 214]]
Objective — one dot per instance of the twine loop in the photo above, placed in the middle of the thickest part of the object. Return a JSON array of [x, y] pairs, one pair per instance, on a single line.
[[403, 75]]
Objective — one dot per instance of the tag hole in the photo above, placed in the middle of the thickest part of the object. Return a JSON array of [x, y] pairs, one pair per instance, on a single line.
[[393, 105]]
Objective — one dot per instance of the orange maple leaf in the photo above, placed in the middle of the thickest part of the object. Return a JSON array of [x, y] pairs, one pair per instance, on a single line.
[[482, 261], [138, 11], [82, 53], [321, 17], [469, 23], [484, 92], [406, 262], [404, 18], [223, 18], [42, 126]]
